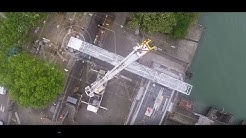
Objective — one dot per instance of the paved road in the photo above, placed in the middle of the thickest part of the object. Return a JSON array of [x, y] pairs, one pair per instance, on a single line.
[[150, 97], [4, 106]]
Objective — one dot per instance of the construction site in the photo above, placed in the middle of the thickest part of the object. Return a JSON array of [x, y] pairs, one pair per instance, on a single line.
[[115, 75]]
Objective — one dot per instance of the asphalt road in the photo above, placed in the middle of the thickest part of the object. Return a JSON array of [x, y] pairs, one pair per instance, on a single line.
[[4, 104], [149, 101]]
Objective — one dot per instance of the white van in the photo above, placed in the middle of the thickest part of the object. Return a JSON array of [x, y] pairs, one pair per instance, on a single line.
[[2, 91]]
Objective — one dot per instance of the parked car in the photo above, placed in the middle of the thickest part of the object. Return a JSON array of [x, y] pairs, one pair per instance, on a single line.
[[1, 122]]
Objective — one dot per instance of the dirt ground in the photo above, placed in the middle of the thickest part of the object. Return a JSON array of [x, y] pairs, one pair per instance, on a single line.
[[54, 31], [55, 27]]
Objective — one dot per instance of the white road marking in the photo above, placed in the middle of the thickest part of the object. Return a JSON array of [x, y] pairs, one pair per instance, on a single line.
[[2, 108]]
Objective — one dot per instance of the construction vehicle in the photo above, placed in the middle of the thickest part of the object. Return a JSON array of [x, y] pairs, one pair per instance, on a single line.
[[97, 88], [95, 101]]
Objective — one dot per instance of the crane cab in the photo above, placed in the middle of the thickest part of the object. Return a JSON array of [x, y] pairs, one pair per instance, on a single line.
[[95, 101]]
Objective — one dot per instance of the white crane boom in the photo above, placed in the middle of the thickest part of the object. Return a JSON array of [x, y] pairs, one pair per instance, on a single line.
[[138, 51], [162, 78]]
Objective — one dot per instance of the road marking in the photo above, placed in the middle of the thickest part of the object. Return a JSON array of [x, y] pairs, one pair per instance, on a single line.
[[13, 119], [168, 104], [139, 105], [2, 108], [17, 117], [9, 118]]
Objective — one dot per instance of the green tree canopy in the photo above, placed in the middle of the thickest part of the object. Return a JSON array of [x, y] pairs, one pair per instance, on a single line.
[[154, 21], [15, 28], [31, 82], [175, 24], [184, 19]]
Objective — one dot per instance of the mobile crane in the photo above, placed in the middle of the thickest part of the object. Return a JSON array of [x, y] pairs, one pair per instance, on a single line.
[[97, 88]]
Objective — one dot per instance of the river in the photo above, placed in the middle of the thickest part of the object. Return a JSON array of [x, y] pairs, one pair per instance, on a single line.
[[219, 65]]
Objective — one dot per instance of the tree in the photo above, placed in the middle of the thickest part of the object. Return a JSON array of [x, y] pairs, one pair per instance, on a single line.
[[183, 22], [15, 28], [31, 82], [174, 23], [154, 22]]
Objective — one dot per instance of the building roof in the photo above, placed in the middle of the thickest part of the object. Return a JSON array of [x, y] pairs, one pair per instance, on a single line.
[[204, 120]]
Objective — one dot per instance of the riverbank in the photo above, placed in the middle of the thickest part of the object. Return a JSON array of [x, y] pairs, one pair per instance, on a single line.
[[177, 55], [185, 50], [213, 71]]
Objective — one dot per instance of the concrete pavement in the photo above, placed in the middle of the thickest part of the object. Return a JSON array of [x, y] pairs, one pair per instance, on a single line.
[[4, 100], [119, 92], [153, 97]]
